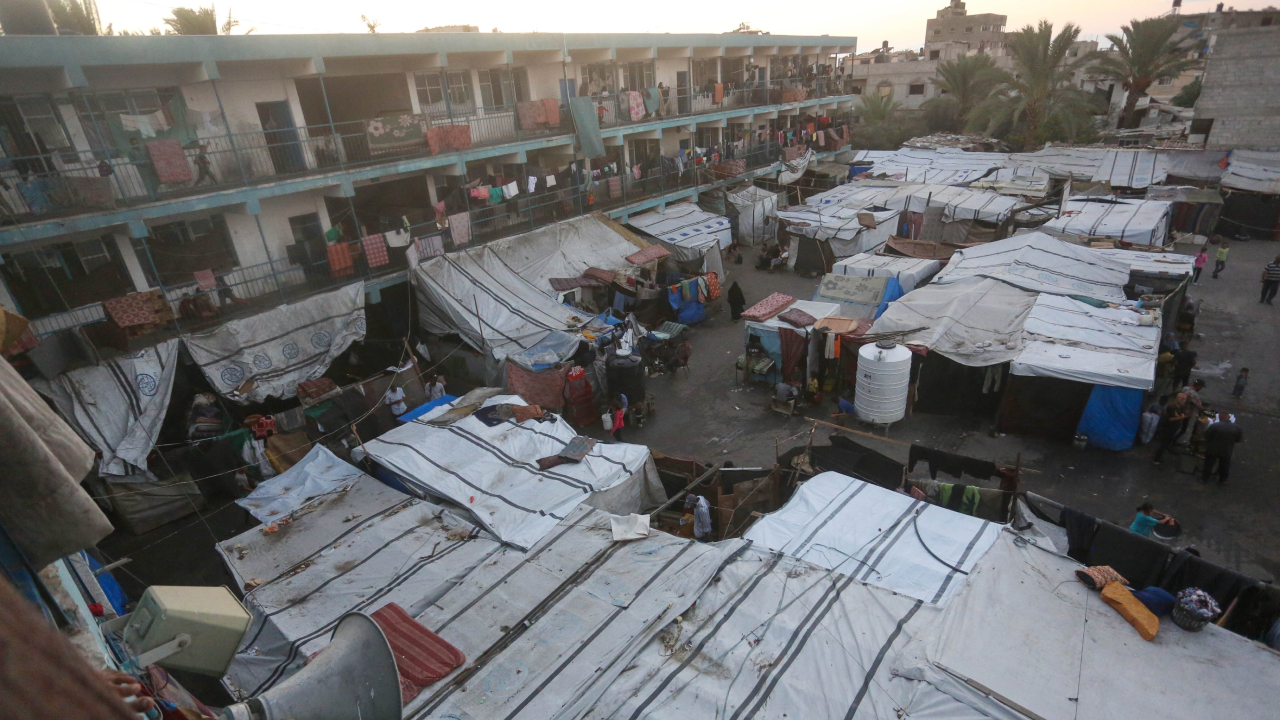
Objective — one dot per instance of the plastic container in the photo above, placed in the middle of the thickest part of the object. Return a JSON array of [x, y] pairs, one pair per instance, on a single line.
[[884, 371], [1187, 619]]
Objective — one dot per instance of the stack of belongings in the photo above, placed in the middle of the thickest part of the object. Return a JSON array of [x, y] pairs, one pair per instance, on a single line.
[[311, 392], [768, 307], [205, 419]]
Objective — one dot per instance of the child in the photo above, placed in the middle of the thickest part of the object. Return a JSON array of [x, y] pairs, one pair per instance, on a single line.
[[618, 420], [1202, 257], [1241, 381]]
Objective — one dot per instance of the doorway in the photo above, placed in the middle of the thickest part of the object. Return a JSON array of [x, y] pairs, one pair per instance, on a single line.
[[282, 137], [682, 91]]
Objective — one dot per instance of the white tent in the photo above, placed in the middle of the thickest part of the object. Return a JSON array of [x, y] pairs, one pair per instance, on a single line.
[[1144, 222], [944, 166], [879, 536], [974, 321], [317, 475], [1068, 339], [689, 232], [1025, 634], [488, 304], [119, 405], [1253, 170], [493, 472], [560, 250], [1149, 263], [840, 227], [1120, 167], [957, 203], [757, 214], [910, 272], [267, 355], [1025, 180], [1041, 263]]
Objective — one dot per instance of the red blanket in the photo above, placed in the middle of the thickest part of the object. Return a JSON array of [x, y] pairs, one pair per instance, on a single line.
[[169, 161], [768, 307]]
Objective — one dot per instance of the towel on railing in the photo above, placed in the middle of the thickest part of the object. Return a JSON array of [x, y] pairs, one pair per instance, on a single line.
[[430, 246], [397, 238], [94, 192], [205, 279], [636, 103], [340, 259], [615, 187], [717, 97], [375, 250], [460, 229], [132, 309], [169, 160], [526, 114], [551, 108]]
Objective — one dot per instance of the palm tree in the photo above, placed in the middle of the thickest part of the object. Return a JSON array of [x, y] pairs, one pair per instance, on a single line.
[[192, 21], [1145, 54], [967, 81], [1039, 92], [75, 17], [877, 108]]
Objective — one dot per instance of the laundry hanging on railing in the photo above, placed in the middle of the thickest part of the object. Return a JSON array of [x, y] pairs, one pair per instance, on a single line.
[[449, 137], [375, 250], [395, 133], [169, 161]]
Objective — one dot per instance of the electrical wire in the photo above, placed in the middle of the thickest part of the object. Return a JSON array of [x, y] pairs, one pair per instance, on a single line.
[[933, 555]]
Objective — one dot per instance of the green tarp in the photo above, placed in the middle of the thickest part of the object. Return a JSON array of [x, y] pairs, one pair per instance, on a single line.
[[588, 126]]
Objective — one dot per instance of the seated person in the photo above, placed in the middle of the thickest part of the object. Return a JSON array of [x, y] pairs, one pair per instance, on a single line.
[[785, 393], [768, 257], [682, 355]]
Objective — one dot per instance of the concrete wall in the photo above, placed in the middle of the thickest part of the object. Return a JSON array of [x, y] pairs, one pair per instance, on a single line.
[[1241, 91]]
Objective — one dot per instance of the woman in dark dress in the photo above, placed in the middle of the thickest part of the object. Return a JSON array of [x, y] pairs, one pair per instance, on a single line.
[[736, 301]]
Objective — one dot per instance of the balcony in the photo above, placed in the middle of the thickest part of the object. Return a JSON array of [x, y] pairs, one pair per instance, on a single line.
[[65, 183]]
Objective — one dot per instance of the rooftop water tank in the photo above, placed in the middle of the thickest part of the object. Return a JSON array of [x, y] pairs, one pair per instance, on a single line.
[[884, 370]]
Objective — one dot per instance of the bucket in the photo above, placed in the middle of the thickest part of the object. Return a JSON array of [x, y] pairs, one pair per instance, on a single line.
[[1080, 442]]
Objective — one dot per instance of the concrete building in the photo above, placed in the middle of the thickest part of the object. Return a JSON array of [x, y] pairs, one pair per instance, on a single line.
[[1239, 105], [276, 141]]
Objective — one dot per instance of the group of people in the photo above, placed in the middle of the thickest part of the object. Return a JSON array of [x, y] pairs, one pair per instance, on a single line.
[[1169, 420]]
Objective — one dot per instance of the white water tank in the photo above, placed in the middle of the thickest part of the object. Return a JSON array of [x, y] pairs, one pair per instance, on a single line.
[[884, 370]]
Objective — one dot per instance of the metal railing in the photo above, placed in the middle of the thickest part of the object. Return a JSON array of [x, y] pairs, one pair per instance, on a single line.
[[77, 181], [256, 287]]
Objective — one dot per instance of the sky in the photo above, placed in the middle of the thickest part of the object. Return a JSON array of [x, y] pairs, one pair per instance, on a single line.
[[901, 22]]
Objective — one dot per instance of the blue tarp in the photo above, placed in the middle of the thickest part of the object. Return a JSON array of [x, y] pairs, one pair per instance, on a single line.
[[111, 588], [892, 291], [421, 410], [1111, 417], [688, 312]]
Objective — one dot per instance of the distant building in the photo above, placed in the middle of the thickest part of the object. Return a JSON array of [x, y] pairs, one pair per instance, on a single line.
[[1239, 104]]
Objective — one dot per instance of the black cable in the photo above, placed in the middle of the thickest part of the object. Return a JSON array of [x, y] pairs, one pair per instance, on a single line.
[[916, 527]]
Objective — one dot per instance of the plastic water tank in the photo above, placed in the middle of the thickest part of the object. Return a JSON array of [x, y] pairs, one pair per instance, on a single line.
[[884, 370]]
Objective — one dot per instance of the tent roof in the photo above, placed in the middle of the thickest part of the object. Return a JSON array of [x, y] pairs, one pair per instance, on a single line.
[[1061, 653], [685, 226], [975, 321], [493, 471], [1145, 222], [818, 310], [1184, 194], [1068, 339], [958, 203], [868, 532], [1041, 263], [909, 271], [1120, 167], [1253, 170], [1151, 263], [944, 166], [561, 250], [318, 474]]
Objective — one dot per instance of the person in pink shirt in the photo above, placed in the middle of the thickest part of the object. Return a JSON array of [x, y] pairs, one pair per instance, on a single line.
[[1201, 258]]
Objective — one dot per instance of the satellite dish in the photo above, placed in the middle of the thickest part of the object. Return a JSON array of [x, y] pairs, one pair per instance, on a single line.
[[354, 678]]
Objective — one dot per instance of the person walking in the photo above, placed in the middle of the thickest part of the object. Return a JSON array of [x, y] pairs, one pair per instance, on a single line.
[[1242, 380], [1170, 422], [1220, 440], [1220, 263], [1202, 257], [1183, 362], [1270, 281]]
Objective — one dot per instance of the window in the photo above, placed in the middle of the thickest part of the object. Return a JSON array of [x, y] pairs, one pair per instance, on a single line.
[[1266, 22], [985, 28], [93, 255], [639, 75], [430, 89], [65, 276], [181, 248], [935, 54], [865, 62], [644, 151], [855, 90], [1165, 81], [43, 122], [96, 111], [969, 29], [1201, 127], [917, 89], [491, 87], [885, 90], [306, 227], [937, 31]]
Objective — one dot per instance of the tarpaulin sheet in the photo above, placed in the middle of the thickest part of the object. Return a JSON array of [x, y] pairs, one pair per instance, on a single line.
[[944, 166], [492, 472], [267, 355], [1193, 165], [817, 310], [1253, 170], [561, 250], [775, 637], [1151, 263], [910, 272], [596, 604], [587, 123], [1060, 653], [318, 474], [794, 170], [1028, 181], [1111, 417], [356, 552], [870, 533], [1068, 339], [1144, 222], [1041, 263], [493, 309], [974, 321], [757, 209], [957, 203], [118, 406], [839, 224], [858, 297], [686, 230]]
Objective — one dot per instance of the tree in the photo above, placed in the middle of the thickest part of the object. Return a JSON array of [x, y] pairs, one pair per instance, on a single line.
[[1039, 95], [75, 17], [372, 24], [882, 125], [1188, 95], [965, 82], [1144, 54], [232, 24], [192, 21]]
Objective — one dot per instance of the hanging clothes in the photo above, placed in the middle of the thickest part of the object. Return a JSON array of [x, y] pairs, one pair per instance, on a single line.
[[460, 228], [340, 260], [375, 250], [701, 515]]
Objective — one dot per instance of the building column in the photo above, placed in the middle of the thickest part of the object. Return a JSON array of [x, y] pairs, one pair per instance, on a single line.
[[125, 245]]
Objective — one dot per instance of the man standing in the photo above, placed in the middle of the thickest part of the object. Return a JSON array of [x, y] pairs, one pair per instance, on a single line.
[[1183, 361], [1219, 441], [1220, 263], [1174, 413], [1270, 281]]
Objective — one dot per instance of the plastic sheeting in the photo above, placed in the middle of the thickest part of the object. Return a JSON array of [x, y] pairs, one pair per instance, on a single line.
[[757, 212], [687, 230], [493, 473], [1144, 222], [1151, 263], [267, 355], [1068, 339], [118, 406], [794, 170], [858, 297], [1253, 170], [1029, 634], [318, 474], [944, 166], [957, 203], [1026, 181], [1041, 263], [910, 272], [560, 250], [817, 310], [488, 304], [868, 532], [974, 321], [1111, 417]]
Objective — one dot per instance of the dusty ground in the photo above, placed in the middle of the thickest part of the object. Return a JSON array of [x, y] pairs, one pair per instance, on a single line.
[[707, 415]]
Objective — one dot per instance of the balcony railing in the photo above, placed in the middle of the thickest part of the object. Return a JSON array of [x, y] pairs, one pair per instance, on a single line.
[[72, 182]]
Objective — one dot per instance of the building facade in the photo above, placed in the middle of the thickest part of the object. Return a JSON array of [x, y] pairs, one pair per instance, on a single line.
[[228, 166], [1239, 105]]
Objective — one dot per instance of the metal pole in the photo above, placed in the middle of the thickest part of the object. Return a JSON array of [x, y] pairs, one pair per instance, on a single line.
[[270, 263], [230, 138], [333, 130], [700, 479]]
